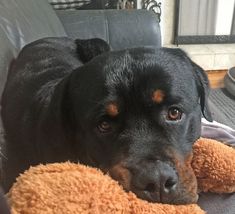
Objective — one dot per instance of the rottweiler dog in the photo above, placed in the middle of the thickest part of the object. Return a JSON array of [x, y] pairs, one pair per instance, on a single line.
[[133, 113]]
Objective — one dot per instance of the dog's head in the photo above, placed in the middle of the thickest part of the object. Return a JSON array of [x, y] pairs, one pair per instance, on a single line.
[[136, 114]]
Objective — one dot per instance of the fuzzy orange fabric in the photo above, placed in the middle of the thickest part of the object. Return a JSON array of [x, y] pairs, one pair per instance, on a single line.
[[214, 166], [74, 188]]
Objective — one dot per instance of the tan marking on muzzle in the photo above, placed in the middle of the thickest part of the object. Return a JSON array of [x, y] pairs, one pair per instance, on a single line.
[[187, 177], [121, 174], [158, 96], [112, 109], [187, 180]]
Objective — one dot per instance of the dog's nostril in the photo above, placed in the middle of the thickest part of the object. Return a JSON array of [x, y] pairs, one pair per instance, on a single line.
[[150, 187], [170, 184]]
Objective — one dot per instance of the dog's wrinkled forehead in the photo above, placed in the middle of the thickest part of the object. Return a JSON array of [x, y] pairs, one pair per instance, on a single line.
[[118, 69], [157, 70]]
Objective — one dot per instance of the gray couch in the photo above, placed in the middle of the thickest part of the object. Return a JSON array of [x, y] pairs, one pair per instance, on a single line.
[[24, 21]]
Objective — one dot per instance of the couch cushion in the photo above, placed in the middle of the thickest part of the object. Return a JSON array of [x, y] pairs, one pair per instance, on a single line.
[[22, 22], [27, 20], [120, 28]]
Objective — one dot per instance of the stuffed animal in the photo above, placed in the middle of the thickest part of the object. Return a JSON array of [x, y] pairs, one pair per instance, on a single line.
[[74, 188]]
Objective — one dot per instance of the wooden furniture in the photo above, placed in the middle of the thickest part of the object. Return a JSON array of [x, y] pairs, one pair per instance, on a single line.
[[216, 78]]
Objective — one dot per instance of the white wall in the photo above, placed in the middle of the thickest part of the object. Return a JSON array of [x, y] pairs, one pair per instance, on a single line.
[[167, 23], [224, 13], [167, 19]]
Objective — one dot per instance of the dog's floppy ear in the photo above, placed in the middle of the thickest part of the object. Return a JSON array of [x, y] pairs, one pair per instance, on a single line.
[[89, 48], [201, 81], [203, 89]]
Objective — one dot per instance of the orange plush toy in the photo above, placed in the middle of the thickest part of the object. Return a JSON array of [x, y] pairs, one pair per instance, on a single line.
[[74, 188]]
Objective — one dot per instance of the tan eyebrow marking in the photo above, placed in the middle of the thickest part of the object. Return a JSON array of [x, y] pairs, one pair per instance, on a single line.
[[158, 96], [112, 109]]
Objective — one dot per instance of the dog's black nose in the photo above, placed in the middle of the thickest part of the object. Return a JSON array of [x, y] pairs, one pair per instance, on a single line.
[[166, 183], [158, 184]]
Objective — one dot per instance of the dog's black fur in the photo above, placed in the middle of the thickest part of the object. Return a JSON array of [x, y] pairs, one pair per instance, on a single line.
[[54, 109]]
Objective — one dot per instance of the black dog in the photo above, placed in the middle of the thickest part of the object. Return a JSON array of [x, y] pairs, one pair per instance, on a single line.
[[133, 113]]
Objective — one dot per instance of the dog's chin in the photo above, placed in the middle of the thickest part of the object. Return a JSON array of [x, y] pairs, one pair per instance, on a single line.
[[156, 197], [181, 196]]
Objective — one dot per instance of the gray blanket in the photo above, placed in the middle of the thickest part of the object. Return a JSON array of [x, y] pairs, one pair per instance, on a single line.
[[218, 132]]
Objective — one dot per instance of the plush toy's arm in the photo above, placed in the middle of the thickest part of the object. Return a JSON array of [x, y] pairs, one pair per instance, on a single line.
[[214, 166], [74, 188]]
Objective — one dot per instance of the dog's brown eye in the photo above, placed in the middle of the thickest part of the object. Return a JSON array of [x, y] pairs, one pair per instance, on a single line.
[[174, 114], [104, 127]]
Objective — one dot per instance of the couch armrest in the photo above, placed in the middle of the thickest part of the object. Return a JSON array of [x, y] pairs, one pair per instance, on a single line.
[[120, 28]]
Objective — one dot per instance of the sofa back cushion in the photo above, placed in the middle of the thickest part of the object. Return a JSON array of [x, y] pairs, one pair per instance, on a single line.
[[120, 28], [27, 20], [22, 22]]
